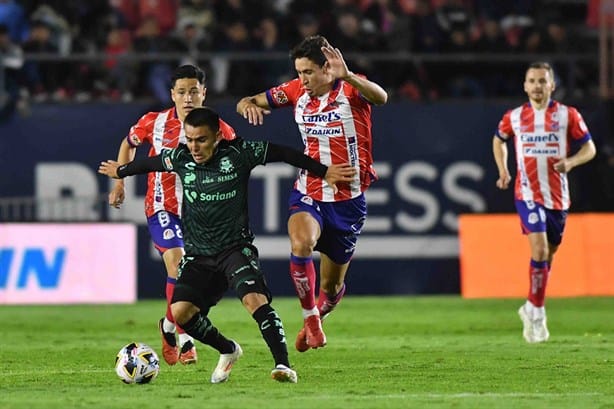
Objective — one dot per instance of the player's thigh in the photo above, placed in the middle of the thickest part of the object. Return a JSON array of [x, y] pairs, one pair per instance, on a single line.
[[200, 282], [241, 266], [305, 218]]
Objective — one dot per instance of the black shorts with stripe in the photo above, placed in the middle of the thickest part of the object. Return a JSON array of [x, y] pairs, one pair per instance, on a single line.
[[203, 280]]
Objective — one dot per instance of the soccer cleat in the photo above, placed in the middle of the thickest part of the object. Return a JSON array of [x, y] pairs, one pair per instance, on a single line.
[[170, 350], [540, 330], [301, 341], [281, 373], [188, 353], [313, 329], [527, 327], [534, 329], [224, 365]]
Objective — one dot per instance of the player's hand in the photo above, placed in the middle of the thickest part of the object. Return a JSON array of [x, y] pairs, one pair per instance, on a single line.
[[504, 181], [117, 195], [109, 168], [563, 165], [255, 114], [338, 174], [336, 64]]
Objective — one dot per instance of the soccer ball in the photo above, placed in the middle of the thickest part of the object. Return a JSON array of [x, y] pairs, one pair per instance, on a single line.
[[137, 363]]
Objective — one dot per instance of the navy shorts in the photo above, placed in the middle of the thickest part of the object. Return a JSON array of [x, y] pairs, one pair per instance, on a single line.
[[340, 223], [535, 218], [165, 231]]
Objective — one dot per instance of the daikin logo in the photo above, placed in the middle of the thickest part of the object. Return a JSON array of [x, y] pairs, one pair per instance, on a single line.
[[31, 264]]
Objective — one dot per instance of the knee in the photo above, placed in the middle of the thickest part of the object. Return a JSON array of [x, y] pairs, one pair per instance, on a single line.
[[181, 313], [253, 301], [302, 243], [541, 253]]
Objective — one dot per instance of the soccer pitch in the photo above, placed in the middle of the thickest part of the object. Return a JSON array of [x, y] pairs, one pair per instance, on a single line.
[[382, 352]]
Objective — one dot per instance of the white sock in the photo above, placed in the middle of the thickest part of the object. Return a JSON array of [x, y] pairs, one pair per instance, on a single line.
[[309, 313], [183, 338], [168, 326]]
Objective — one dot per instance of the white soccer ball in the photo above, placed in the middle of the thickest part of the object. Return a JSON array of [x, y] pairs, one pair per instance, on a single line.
[[137, 363]]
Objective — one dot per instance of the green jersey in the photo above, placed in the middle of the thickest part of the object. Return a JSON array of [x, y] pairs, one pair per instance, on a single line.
[[215, 203]]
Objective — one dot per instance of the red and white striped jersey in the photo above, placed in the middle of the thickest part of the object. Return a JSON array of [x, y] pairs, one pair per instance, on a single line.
[[541, 138], [164, 130], [335, 128]]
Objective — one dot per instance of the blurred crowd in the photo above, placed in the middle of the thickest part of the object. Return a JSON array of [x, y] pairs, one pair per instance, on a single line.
[[99, 39]]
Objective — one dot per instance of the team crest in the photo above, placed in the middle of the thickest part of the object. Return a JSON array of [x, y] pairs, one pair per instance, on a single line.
[[134, 138], [280, 97], [226, 165]]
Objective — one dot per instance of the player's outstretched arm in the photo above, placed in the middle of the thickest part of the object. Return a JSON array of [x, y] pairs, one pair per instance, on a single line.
[[254, 108], [333, 174], [114, 170]]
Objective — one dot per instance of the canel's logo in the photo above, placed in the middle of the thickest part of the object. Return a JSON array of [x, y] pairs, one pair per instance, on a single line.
[[31, 264]]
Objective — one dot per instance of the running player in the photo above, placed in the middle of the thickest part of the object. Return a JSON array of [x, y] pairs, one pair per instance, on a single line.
[[332, 108], [550, 139], [164, 196]]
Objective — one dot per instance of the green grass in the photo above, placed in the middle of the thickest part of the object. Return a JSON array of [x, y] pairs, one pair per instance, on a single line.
[[382, 352]]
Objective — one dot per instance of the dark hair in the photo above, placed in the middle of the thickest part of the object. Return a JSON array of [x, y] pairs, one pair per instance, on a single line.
[[188, 71], [203, 116], [542, 65], [311, 48]]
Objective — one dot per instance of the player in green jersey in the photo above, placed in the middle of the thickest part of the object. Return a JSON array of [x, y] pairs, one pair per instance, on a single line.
[[218, 241]]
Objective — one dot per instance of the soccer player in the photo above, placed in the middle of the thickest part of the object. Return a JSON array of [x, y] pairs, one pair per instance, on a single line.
[[218, 241], [332, 108], [164, 195], [550, 140]]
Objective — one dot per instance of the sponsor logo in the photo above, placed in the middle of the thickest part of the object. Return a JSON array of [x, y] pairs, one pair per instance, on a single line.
[[322, 117], [540, 151], [532, 138], [189, 178], [226, 178], [216, 197], [163, 219], [168, 164], [542, 214], [307, 200], [168, 234], [533, 218], [320, 131]]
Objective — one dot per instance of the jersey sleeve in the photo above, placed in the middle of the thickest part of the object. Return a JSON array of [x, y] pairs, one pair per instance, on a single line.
[[141, 131], [577, 129], [505, 130], [228, 131], [285, 94], [173, 158], [254, 152]]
